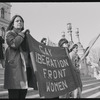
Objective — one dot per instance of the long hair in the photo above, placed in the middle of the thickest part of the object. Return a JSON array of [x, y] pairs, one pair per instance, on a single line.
[[10, 26], [74, 46], [42, 41]]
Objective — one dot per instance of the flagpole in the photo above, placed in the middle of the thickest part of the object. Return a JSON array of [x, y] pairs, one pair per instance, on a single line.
[[48, 41], [89, 49]]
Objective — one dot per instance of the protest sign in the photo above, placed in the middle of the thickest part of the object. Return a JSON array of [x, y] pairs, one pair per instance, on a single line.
[[53, 69]]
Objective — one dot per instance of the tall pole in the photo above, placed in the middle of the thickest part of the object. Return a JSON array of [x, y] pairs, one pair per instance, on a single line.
[[69, 28], [69, 31], [77, 34], [63, 34]]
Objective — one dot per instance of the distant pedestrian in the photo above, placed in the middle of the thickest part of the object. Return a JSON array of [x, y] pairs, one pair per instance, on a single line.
[[64, 43], [1, 50]]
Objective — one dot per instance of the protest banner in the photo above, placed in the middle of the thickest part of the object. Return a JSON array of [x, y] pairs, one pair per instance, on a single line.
[[53, 68]]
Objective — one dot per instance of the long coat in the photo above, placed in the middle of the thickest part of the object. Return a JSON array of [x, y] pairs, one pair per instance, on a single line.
[[16, 76], [75, 58]]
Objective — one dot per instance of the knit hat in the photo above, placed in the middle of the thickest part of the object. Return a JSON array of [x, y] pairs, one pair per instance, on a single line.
[[73, 46], [62, 41], [42, 41]]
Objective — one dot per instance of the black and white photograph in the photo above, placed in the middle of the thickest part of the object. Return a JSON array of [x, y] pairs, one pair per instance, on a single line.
[[49, 50]]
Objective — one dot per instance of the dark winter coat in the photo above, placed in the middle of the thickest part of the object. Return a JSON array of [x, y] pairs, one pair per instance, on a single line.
[[17, 76], [1, 48]]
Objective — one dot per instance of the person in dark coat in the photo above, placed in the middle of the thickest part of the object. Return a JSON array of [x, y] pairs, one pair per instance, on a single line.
[[1, 50], [19, 74], [64, 43]]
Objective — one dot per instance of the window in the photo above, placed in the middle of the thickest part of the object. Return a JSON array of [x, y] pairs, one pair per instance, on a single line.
[[2, 12]]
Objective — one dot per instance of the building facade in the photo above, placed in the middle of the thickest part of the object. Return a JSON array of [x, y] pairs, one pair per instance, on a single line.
[[5, 15]]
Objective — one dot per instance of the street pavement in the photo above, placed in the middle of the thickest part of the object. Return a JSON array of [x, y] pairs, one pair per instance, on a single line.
[[91, 88]]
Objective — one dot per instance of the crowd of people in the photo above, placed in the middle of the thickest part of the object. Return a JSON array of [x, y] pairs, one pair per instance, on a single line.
[[18, 76]]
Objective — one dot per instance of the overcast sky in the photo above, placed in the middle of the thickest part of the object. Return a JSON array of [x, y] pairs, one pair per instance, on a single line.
[[48, 19]]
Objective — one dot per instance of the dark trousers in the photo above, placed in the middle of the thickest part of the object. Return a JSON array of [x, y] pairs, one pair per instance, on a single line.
[[17, 93]]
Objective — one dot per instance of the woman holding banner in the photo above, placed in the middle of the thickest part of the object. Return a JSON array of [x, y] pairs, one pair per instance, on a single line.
[[75, 59], [1, 50], [18, 71], [64, 43]]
